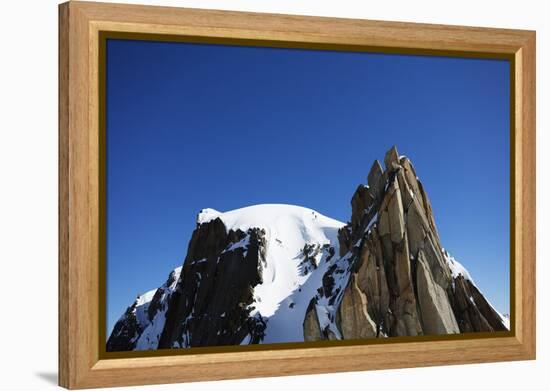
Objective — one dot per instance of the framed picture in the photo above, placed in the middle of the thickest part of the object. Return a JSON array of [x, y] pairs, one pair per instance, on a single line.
[[246, 195]]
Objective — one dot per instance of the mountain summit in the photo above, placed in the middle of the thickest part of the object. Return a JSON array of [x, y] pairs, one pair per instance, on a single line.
[[281, 273]]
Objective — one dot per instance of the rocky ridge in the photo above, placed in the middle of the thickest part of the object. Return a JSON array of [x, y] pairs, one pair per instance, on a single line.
[[140, 327], [280, 273]]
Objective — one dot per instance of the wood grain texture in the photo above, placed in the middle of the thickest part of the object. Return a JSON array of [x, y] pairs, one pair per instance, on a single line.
[[63, 178], [80, 365], [528, 185]]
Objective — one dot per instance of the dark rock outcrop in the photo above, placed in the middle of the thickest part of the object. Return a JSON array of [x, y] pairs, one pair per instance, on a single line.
[[473, 312], [125, 332], [142, 323], [212, 302], [209, 303]]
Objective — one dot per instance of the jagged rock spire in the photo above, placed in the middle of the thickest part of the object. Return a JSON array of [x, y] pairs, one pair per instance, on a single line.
[[400, 272], [391, 159]]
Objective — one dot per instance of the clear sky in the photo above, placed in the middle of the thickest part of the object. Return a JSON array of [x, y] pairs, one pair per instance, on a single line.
[[191, 126]]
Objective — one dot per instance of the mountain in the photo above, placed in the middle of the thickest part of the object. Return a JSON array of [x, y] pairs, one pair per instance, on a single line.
[[140, 327], [282, 273]]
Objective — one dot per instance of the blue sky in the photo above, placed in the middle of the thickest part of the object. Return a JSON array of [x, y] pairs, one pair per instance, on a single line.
[[191, 126]]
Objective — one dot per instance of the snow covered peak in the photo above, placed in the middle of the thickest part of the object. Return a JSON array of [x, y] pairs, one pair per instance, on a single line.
[[288, 223], [283, 296], [207, 215]]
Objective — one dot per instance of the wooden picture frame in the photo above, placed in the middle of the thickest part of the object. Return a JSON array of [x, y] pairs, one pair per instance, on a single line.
[[81, 363]]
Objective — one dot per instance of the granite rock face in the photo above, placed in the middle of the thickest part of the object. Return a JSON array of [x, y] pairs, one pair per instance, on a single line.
[[312, 329], [401, 281]]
